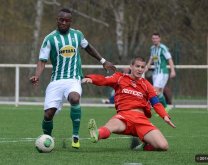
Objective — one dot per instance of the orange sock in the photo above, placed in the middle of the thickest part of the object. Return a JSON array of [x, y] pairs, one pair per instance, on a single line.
[[104, 133]]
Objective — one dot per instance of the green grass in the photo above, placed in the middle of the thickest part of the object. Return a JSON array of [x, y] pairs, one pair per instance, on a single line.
[[19, 125]]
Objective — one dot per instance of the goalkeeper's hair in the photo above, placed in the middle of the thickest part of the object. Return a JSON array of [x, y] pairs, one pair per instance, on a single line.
[[138, 58]]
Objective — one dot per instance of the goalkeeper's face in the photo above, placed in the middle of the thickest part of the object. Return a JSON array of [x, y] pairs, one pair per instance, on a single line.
[[64, 21], [137, 69]]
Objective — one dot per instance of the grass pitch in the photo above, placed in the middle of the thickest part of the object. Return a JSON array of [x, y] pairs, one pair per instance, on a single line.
[[20, 126]]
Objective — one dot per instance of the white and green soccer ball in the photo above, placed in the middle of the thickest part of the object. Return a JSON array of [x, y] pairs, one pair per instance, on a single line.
[[44, 143]]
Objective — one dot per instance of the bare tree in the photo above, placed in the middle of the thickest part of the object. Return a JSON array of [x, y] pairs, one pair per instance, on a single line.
[[37, 28], [36, 32], [129, 36], [118, 10]]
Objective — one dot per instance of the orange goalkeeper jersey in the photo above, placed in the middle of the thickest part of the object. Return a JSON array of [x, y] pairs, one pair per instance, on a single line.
[[129, 93]]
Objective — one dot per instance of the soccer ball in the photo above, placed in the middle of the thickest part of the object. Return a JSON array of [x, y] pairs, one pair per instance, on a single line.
[[44, 143]]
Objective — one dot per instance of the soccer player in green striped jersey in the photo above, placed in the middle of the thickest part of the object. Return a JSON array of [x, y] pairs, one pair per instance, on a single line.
[[62, 48], [160, 57]]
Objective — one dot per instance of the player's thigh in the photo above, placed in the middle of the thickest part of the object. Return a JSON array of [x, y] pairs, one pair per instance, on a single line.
[[54, 95], [115, 125], [160, 80], [73, 89], [156, 139]]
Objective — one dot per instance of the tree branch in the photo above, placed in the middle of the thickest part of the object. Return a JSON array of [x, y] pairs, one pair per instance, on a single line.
[[53, 2], [89, 17]]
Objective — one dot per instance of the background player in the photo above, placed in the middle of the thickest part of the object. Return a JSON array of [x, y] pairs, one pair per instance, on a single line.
[[160, 56]]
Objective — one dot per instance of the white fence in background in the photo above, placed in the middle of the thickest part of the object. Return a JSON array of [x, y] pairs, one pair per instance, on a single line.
[[17, 83]]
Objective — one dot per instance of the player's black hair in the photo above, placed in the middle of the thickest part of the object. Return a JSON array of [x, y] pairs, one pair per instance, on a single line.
[[65, 10], [139, 58], [156, 34]]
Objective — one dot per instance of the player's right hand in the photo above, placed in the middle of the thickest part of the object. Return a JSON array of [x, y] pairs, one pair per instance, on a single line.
[[34, 80]]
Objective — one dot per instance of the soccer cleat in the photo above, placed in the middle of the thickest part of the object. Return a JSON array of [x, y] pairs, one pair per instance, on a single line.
[[75, 142], [136, 144], [92, 127], [140, 147]]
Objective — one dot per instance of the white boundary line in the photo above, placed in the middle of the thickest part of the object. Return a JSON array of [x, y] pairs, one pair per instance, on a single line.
[[101, 105], [16, 140]]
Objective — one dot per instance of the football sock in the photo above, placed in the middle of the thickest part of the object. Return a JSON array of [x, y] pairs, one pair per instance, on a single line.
[[162, 100], [75, 115], [104, 133], [47, 127], [148, 147]]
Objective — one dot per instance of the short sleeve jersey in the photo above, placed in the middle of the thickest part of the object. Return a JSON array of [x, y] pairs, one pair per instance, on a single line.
[[160, 54], [63, 51]]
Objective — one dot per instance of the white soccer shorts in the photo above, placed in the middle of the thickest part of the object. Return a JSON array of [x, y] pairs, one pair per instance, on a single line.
[[160, 80], [57, 92]]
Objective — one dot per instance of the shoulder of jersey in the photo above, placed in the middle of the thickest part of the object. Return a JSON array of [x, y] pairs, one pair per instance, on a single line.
[[163, 46], [152, 46], [75, 30], [51, 34]]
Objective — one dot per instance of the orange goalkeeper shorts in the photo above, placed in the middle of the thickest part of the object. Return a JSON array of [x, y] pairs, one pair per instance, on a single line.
[[137, 124]]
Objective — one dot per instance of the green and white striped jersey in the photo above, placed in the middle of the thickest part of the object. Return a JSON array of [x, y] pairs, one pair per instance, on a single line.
[[160, 54], [63, 51]]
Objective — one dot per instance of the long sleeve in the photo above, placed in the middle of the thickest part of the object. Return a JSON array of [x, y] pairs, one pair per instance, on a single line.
[[101, 80], [160, 110], [158, 107]]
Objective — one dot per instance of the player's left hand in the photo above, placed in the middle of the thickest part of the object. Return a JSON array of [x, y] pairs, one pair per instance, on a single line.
[[109, 66], [167, 120]]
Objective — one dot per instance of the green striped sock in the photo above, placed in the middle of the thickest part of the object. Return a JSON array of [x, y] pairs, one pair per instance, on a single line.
[[162, 100], [75, 115]]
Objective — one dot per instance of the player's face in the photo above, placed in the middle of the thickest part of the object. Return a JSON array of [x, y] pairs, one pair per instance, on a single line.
[[64, 21], [156, 39], [137, 69]]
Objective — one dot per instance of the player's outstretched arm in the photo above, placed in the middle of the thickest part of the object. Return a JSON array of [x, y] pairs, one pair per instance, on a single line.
[[94, 53], [109, 66], [101, 80]]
